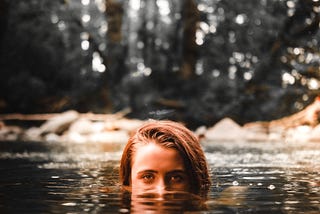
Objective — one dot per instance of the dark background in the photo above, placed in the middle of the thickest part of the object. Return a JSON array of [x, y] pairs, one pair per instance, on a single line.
[[193, 61]]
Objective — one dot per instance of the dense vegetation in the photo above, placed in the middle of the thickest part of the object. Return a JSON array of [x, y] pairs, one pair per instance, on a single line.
[[193, 60]]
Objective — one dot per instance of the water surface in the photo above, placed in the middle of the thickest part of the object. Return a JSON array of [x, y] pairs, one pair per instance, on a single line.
[[79, 178]]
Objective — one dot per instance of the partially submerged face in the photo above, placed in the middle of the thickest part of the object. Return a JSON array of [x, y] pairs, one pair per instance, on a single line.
[[157, 170], [164, 157]]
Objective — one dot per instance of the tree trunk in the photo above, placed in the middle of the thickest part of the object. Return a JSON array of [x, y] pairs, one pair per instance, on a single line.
[[191, 18], [308, 116]]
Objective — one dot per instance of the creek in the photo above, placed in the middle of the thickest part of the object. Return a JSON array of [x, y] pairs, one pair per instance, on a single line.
[[37, 177]]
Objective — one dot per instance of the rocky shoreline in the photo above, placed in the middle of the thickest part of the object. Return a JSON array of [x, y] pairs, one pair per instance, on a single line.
[[73, 127]]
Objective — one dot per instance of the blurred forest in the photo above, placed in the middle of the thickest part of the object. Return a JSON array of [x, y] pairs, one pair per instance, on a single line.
[[195, 61]]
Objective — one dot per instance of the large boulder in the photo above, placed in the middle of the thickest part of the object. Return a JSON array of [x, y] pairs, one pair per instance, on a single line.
[[225, 130]]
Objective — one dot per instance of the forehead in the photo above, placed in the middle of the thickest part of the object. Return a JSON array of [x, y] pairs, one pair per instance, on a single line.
[[152, 155]]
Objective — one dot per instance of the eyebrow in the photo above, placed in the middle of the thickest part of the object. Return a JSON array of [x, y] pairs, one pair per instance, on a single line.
[[147, 171], [154, 171], [178, 171]]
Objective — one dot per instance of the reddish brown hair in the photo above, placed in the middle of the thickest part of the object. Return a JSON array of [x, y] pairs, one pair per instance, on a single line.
[[173, 135]]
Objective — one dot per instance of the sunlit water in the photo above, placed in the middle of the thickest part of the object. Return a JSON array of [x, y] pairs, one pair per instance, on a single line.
[[247, 178]]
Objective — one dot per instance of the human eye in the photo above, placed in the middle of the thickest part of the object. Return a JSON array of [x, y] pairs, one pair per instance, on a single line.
[[147, 178], [176, 178]]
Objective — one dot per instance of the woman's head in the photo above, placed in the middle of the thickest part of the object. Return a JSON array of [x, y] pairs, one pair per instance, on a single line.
[[151, 143]]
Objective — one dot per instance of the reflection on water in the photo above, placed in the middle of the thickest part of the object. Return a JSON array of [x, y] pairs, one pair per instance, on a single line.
[[247, 178], [171, 202]]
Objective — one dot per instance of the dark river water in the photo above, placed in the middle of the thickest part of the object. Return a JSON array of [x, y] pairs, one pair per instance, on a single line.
[[79, 178]]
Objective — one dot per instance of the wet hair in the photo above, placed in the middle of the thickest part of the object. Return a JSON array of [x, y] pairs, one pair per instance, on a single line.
[[169, 134]]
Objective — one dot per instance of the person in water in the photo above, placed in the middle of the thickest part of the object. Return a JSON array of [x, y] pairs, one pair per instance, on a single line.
[[161, 157]]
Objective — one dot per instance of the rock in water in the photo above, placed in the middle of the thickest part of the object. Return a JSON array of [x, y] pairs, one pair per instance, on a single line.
[[225, 130], [59, 123]]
